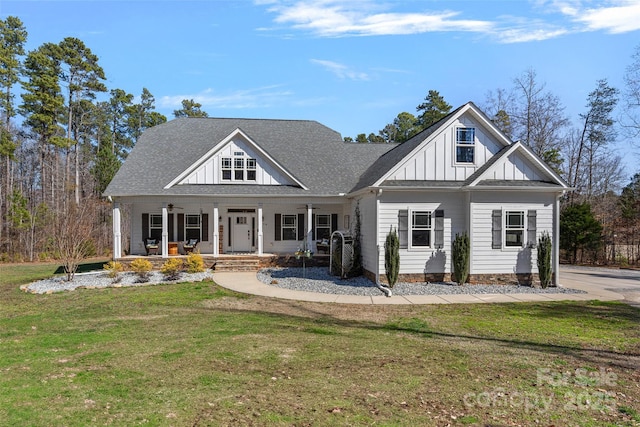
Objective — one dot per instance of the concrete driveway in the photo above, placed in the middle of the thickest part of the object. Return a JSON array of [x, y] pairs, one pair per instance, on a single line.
[[605, 281]]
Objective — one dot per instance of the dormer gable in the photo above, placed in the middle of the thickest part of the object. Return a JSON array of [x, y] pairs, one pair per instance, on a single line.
[[516, 163], [237, 159], [451, 150]]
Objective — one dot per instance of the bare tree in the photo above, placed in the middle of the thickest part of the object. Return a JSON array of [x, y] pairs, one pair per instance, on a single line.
[[631, 120], [73, 235]]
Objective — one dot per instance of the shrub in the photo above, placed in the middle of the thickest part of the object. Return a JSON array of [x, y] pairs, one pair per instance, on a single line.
[[194, 263], [141, 267], [171, 268], [356, 269], [392, 257], [460, 252], [113, 268], [544, 259]]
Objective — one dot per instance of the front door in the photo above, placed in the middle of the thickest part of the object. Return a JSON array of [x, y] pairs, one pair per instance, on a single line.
[[241, 240]]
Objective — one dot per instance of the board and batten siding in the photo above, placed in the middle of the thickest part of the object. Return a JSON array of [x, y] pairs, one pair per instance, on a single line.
[[436, 161], [209, 172], [423, 260], [485, 259]]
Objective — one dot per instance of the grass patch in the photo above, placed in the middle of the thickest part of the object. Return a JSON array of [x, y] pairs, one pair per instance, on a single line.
[[196, 354]]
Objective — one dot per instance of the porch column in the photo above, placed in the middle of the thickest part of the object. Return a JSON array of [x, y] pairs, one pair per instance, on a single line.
[[260, 237], [309, 227], [556, 241], [165, 231], [117, 233], [216, 230]]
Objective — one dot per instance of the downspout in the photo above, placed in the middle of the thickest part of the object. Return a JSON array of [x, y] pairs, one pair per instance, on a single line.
[[380, 286], [556, 240]]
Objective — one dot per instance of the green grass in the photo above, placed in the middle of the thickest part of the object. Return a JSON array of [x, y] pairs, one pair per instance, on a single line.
[[193, 354]]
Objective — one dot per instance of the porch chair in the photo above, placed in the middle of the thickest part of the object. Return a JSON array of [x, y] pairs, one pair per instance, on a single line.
[[151, 246], [190, 245]]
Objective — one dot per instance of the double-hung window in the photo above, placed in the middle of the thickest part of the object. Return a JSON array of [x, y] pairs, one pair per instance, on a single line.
[[323, 226], [465, 145], [192, 226], [420, 229], [514, 228], [155, 226], [289, 227]]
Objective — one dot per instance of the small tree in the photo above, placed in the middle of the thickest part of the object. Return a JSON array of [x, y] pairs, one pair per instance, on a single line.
[[392, 257], [72, 236], [460, 253], [544, 259]]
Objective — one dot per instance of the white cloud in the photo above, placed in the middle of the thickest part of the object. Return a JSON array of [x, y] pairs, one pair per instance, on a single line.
[[333, 18], [340, 70], [617, 17], [547, 19], [239, 99]]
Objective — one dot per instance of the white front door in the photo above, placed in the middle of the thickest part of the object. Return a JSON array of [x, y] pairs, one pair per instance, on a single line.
[[241, 235]]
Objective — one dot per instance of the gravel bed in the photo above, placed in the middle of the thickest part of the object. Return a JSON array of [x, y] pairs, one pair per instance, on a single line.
[[318, 279], [101, 280]]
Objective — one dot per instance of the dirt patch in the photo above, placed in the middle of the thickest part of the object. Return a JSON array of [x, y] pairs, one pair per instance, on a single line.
[[312, 310]]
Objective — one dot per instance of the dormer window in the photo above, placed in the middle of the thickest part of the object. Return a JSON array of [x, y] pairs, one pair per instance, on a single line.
[[465, 145], [238, 168]]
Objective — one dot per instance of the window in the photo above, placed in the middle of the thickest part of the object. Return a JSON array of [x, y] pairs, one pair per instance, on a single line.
[[323, 227], [514, 228], [465, 145], [155, 225], [251, 169], [289, 227], [226, 168], [192, 225], [420, 229], [239, 168]]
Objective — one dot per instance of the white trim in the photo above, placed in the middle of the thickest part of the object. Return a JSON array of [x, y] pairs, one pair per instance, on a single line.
[[219, 146], [410, 246]]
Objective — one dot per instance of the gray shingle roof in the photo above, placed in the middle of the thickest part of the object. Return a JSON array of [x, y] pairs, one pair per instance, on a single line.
[[313, 153]]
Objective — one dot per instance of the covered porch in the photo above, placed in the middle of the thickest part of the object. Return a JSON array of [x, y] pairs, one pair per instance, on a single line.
[[228, 227]]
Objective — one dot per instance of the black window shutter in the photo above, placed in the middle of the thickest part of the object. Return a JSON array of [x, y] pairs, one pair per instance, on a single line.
[[496, 229], [229, 231], [313, 226], [145, 226], [205, 227], [403, 228], [180, 227], [170, 227], [531, 228], [439, 229], [334, 222], [301, 227], [278, 227]]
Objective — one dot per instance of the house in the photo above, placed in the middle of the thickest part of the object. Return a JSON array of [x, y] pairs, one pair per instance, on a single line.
[[254, 186]]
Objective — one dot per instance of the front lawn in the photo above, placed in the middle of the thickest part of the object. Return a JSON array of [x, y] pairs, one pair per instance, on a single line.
[[193, 354]]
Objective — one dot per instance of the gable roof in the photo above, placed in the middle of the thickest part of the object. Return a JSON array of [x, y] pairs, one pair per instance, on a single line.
[[310, 152]]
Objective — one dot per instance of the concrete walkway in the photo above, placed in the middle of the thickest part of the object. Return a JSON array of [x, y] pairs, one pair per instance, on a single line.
[[247, 283]]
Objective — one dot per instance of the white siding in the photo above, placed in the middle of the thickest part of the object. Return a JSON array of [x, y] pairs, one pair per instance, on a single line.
[[209, 172], [436, 160], [485, 259], [417, 261], [368, 231], [516, 168]]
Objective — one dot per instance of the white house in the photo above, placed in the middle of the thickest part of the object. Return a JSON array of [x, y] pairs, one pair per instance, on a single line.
[[274, 186]]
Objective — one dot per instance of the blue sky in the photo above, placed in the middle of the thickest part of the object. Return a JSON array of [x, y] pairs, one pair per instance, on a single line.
[[350, 64]]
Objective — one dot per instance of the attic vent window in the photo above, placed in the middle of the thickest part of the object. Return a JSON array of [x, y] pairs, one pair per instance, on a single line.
[[465, 145]]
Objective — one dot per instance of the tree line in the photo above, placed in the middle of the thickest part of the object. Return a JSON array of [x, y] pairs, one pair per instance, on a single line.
[[61, 142], [64, 137]]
